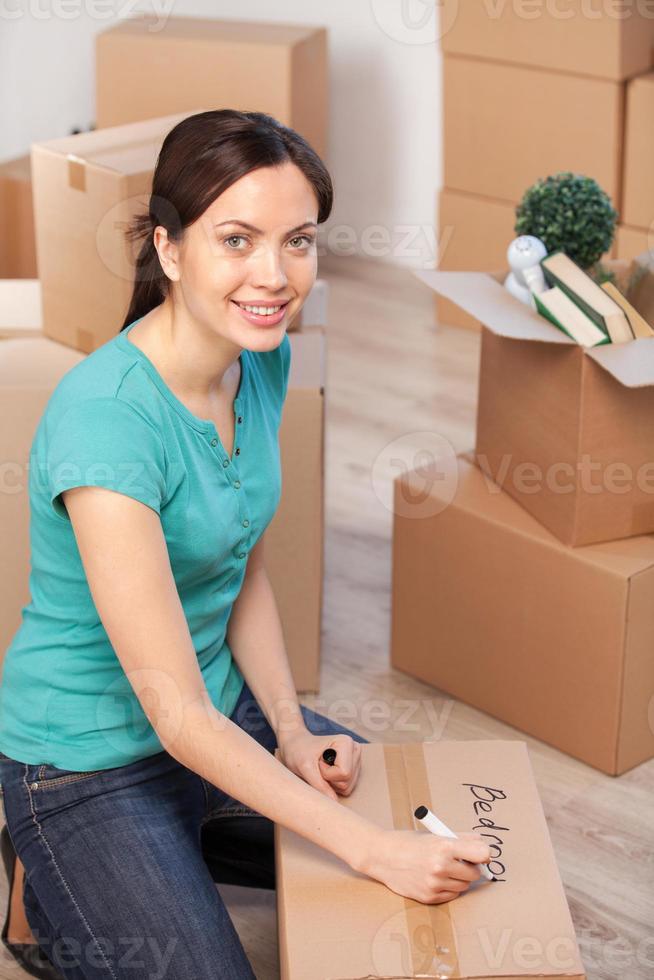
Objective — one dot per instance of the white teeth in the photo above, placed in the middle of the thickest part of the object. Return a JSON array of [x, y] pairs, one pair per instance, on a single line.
[[261, 310]]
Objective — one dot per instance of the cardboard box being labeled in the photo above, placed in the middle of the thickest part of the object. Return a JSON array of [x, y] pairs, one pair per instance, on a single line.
[[29, 371], [86, 189], [492, 608], [280, 69], [572, 37], [565, 430], [336, 923], [20, 308], [294, 539], [548, 122], [17, 243]]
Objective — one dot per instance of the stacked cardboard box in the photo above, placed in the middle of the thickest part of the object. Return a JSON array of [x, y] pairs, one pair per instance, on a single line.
[[636, 228], [280, 69], [17, 245], [527, 93], [527, 587]]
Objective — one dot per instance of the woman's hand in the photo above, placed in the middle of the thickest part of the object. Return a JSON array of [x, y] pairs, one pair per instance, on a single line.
[[426, 867], [301, 752]]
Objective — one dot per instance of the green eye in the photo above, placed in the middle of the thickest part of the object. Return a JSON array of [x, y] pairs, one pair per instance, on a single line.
[[302, 238]]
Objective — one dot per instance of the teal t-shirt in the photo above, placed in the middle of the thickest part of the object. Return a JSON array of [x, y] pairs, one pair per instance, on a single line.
[[113, 422]]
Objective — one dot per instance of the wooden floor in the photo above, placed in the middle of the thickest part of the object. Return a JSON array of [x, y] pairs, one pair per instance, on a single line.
[[391, 374]]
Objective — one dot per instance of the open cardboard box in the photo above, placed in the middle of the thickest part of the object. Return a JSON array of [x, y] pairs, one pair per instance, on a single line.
[[339, 924], [565, 430]]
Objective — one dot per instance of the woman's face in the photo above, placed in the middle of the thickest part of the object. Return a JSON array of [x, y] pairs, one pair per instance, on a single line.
[[255, 245]]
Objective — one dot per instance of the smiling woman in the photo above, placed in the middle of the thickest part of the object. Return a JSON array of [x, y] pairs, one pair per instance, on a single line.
[[147, 688]]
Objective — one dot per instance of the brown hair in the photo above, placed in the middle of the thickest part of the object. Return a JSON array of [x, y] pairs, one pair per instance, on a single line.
[[199, 159]]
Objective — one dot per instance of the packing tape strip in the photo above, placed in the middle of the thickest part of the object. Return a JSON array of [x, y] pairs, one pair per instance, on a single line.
[[429, 927]]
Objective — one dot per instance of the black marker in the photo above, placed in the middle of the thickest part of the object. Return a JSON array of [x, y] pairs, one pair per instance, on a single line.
[[329, 755]]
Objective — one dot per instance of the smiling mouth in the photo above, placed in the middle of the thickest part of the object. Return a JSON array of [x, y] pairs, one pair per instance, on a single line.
[[262, 309]]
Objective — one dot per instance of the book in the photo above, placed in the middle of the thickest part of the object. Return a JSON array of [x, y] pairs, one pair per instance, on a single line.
[[639, 325], [557, 306], [595, 302]]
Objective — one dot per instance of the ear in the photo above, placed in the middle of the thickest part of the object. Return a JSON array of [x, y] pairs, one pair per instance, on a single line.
[[168, 252]]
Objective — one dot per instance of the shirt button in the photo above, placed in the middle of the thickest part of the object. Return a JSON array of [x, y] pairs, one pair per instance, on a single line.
[[242, 554], [237, 484], [246, 523], [225, 462], [214, 442], [237, 452], [239, 419]]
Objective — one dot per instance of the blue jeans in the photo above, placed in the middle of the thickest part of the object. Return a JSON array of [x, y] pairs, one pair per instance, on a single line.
[[121, 864]]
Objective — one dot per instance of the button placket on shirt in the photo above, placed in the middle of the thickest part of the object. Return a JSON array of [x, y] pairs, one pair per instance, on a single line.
[[228, 464]]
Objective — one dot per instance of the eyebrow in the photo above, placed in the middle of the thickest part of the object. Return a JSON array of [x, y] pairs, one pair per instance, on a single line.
[[258, 231]]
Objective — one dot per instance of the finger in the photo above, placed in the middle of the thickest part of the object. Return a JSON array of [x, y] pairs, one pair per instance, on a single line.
[[344, 762], [313, 777], [454, 885], [444, 896], [345, 786], [471, 850], [463, 871]]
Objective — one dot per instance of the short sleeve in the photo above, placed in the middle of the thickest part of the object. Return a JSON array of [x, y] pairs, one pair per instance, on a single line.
[[285, 350], [104, 442]]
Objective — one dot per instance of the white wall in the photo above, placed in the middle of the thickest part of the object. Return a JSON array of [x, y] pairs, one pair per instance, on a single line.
[[385, 111]]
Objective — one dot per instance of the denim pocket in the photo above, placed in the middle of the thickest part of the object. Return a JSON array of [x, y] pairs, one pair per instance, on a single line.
[[47, 776]]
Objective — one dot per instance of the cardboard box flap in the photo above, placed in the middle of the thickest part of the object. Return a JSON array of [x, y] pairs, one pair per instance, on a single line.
[[488, 301], [339, 924], [632, 364], [129, 148]]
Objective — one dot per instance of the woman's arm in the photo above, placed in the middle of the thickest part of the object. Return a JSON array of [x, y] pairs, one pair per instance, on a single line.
[[125, 558], [256, 640]]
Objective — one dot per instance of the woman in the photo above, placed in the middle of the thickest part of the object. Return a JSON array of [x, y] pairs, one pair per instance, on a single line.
[[146, 691]]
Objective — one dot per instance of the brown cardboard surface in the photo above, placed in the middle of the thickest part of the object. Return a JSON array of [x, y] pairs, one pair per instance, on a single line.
[[638, 192], [565, 430], [20, 308], [294, 538], [489, 606], [595, 40], [474, 232], [337, 924], [280, 69], [86, 189], [548, 122], [29, 370], [630, 242], [17, 242]]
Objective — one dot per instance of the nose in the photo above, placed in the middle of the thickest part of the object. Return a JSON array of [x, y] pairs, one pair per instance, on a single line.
[[269, 272]]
